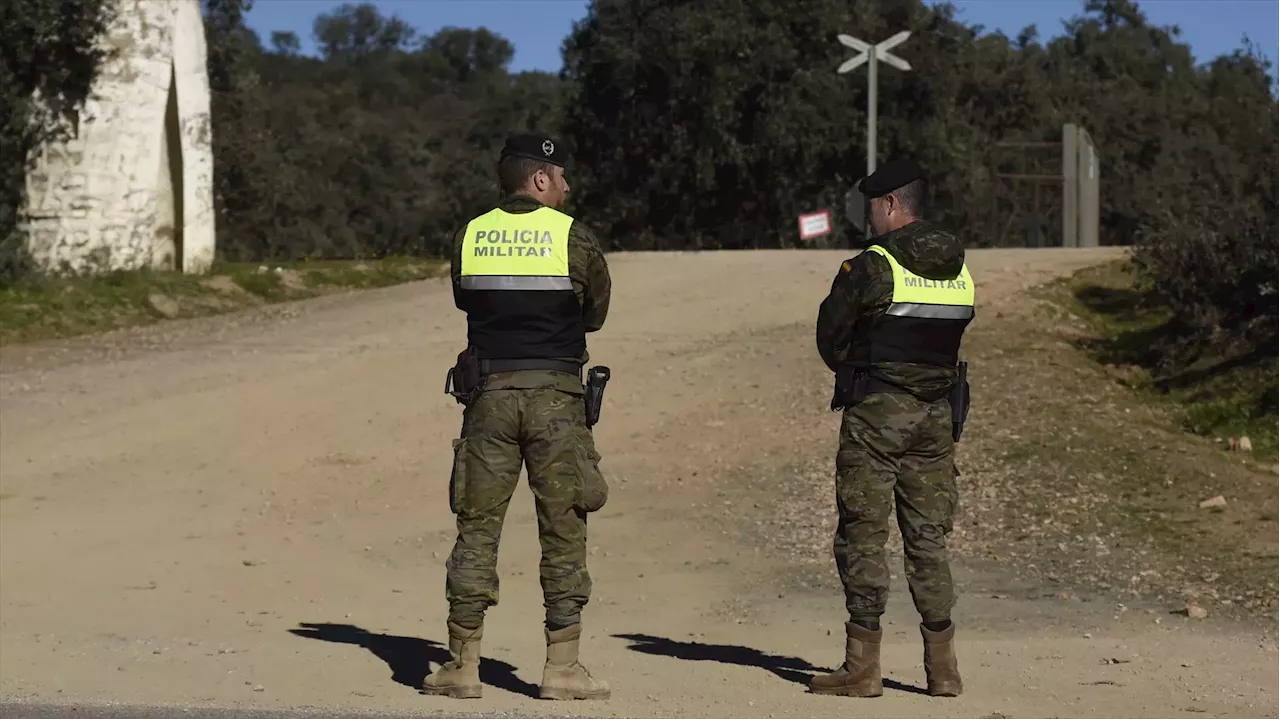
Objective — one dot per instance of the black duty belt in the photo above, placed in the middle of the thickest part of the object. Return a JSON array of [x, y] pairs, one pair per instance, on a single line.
[[493, 366], [877, 385]]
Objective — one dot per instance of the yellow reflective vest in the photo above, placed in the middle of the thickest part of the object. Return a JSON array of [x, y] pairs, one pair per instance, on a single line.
[[925, 321], [517, 251], [516, 288]]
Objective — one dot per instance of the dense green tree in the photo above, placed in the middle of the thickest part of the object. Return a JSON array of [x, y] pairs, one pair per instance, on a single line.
[[48, 61], [709, 124], [378, 146], [713, 124]]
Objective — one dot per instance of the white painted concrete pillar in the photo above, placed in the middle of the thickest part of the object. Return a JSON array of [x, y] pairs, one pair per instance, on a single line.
[[133, 187]]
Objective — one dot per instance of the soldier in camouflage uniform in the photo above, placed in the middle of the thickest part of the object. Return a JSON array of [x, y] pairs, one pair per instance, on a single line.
[[891, 329], [533, 282]]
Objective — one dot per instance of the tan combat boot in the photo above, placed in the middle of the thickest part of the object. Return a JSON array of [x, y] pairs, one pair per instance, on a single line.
[[940, 671], [460, 677], [562, 676], [859, 676]]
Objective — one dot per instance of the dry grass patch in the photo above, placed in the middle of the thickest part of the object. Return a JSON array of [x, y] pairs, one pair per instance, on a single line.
[[49, 308]]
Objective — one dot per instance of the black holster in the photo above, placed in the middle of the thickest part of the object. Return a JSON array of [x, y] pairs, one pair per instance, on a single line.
[[959, 399], [593, 393]]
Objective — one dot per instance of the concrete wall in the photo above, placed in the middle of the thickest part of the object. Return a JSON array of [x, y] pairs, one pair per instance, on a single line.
[[133, 188]]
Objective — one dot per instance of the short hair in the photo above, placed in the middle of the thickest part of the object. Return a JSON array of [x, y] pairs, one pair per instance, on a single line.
[[912, 197], [514, 172]]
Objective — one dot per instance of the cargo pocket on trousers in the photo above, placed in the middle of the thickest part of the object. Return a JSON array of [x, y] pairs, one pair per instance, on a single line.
[[950, 504], [458, 477], [593, 490]]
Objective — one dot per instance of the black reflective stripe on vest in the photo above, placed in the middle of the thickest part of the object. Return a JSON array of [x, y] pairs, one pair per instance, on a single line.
[[932, 312], [515, 282]]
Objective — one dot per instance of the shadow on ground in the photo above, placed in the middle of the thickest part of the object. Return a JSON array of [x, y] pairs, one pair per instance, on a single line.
[[410, 658], [792, 669]]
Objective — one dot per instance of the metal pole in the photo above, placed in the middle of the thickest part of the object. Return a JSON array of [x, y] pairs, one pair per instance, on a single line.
[[871, 128], [871, 113], [872, 54]]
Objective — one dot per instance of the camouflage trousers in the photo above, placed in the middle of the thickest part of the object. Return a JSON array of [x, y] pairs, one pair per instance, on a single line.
[[895, 452], [545, 429]]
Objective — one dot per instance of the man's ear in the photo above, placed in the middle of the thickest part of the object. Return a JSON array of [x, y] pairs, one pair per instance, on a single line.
[[541, 181]]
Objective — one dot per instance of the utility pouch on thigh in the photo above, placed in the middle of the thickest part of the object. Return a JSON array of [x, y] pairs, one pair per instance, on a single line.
[[458, 477], [852, 386], [593, 490], [959, 399]]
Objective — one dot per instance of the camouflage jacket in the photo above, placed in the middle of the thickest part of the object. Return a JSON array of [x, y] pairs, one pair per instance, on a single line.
[[589, 274], [863, 289]]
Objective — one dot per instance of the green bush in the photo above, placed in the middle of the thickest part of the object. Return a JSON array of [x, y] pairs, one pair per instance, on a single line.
[[1215, 268]]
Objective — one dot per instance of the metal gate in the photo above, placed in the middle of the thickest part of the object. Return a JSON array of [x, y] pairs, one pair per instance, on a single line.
[[1046, 193]]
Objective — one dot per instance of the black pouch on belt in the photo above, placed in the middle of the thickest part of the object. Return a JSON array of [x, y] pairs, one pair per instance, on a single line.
[[464, 380], [852, 386]]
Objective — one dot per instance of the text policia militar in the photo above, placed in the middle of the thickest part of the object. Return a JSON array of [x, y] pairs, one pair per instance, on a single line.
[[911, 280], [511, 237]]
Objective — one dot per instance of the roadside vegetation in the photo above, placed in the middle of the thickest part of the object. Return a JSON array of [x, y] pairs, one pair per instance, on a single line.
[[383, 140], [1225, 389], [37, 308], [1104, 463], [1093, 488]]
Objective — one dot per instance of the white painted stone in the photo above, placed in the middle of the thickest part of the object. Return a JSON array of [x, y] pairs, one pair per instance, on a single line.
[[133, 187]]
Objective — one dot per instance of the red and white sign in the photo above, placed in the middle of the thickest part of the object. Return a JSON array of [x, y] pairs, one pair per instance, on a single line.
[[815, 224]]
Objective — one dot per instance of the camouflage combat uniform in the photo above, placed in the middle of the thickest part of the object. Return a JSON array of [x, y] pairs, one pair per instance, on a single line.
[[537, 417], [896, 449], [893, 445], [534, 417]]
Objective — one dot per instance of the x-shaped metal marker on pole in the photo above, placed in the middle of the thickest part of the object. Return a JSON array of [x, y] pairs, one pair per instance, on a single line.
[[871, 55]]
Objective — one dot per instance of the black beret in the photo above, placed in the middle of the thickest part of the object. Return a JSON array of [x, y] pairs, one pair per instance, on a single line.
[[889, 177], [534, 146]]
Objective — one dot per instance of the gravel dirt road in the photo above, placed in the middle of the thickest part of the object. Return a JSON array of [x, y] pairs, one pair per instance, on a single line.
[[249, 512]]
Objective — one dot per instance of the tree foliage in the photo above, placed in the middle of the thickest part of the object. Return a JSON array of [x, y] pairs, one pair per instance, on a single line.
[[713, 124], [377, 147], [49, 56]]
